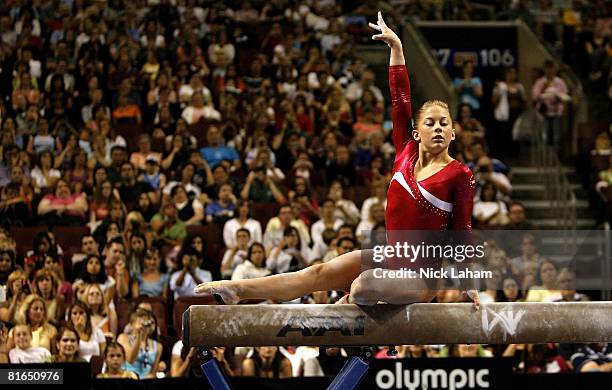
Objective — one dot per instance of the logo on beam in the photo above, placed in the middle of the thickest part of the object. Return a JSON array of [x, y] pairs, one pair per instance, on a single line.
[[319, 325], [506, 318]]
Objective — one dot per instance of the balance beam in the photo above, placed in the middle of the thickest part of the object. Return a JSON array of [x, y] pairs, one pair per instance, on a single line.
[[420, 323]]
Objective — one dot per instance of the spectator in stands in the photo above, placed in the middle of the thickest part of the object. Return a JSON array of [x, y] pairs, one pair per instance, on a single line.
[[114, 357], [237, 254], [267, 362], [200, 109], [103, 316], [33, 312], [546, 289], [509, 99], [365, 227], [44, 175], [139, 159], [62, 207], [184, 177], [242, 220], [103, 194], [328, 362], [46, 285], [544, 358], [467, 122], [145, 208], [468, 86], [91, 338], [566, 281], [7, 266], [484, 173], [215, 153], [327, 221], [67, 346], [261, 188], [136, 249], [152, 282], [184, 281], [488, 209], [511, 291], [594, 357], [143, 351], [254, 265], [169, 229], [550, 93], [129, 188], [24, 352], [290, 254], [14, 211], [16, 292], [151, 174], [94, 271], [518, 218], [341, 167], [529, 257], [190, 211], [78, 176], [345, 208], [127, 113]]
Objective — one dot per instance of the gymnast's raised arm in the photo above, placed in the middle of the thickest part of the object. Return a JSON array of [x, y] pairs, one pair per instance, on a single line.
[[399, 84]]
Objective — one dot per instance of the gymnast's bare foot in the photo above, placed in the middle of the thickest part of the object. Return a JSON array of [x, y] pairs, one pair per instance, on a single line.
[[223, 288]]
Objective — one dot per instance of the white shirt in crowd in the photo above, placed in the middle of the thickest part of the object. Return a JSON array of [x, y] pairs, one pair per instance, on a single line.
[[231, 227], [248, 270], [30, 355], [186, 289], [91, 347], [365, 207]]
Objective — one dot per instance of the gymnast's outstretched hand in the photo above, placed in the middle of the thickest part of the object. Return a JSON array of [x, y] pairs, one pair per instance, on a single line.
[[386, 34], [223, 288]]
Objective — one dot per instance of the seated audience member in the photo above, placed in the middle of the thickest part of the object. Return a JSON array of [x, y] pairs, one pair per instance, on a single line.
[[261, 188], [91, 338], [46, 285], [94, 272], [151, 282], [170, 230], [67, 347], [493, 287], [237, 254], [488, 209], [365, 227], [185, 361], [142, 350], [254, 266], [546, 289], [345, 208], [566, 282], [242, 219], [17, 289], [184, 281], [290, 254], [276, 227], [24, 352], [114, 358], [190, 211], [62, 207], [267, 362], [103, 317], [33, 312], [328, 362], [511, 291]]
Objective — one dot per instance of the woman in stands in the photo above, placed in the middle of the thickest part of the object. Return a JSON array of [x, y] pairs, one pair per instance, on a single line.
[[415, 202]]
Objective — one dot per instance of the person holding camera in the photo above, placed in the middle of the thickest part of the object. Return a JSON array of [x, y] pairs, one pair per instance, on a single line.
[[259, 187], [142, 349], [183, 281]]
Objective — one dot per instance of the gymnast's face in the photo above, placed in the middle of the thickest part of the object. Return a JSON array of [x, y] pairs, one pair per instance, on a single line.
[[434, 129]]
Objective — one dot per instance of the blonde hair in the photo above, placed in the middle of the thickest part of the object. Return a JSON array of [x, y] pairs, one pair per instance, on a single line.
[[24, 309], [428, 104], [102, 308]]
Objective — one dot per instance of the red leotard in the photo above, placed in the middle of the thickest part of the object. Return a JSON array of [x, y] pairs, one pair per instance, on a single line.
[[440, 202]]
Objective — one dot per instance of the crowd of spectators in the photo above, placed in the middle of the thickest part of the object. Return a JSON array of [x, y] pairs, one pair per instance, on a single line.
[[190, 142]]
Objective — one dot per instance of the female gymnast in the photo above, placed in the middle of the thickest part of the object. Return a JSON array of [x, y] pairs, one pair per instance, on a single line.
[[429, 190]]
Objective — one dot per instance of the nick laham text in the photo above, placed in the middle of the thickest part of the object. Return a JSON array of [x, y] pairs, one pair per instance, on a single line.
[[431, 273]]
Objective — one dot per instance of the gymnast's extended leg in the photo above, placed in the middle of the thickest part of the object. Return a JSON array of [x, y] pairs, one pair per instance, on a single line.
[[337, 274]]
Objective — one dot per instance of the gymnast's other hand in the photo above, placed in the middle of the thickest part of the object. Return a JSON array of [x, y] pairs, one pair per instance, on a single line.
[[223, 288], [386, 34], [474, 297]]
